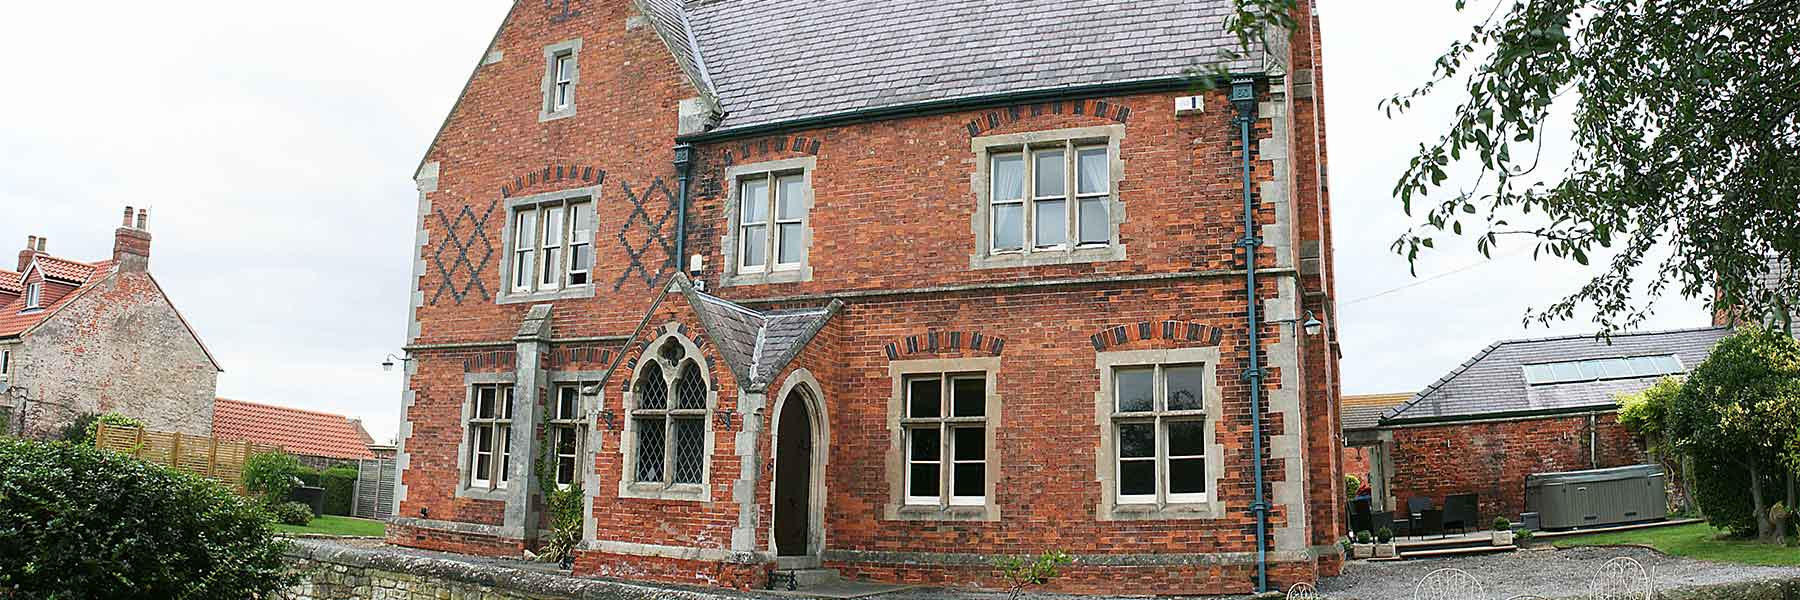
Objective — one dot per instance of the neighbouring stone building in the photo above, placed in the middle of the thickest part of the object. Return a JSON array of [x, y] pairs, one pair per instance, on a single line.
[[883, 287], [96, 337], [1519, 407]]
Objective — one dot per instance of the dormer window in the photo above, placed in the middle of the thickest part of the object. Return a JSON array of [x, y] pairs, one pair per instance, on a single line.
[[34, 295]]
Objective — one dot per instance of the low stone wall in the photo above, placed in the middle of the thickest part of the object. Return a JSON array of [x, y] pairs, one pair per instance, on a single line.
[[333, 571]]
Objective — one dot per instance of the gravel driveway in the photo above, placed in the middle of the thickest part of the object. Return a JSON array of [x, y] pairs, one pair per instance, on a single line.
[[1549, 573]]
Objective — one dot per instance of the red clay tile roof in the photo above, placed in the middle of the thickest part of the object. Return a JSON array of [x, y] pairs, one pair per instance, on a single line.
[[14, 320], [11, 282], [303, 432], [65, 269]]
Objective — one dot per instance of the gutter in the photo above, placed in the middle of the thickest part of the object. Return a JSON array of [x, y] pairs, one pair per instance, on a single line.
[[930, 107], [1243, 96], [1516, 415]]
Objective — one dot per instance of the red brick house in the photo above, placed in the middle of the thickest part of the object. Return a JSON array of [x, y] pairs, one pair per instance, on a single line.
[[97, 337], [1517, 408], [882, 287]]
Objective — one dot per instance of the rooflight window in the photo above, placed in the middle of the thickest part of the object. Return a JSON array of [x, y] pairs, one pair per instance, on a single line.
[[1603, 369]]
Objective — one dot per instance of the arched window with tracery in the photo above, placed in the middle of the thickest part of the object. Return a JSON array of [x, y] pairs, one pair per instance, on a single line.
[[670, 428]]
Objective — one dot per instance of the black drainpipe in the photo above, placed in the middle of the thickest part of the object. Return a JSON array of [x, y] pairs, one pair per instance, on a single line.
[[684, 165], [1243, 96]]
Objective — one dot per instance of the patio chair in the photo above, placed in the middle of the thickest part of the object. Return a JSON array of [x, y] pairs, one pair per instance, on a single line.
[[1461, 511], [1415, 506], [1622, 578], [1449, 584], [1360, 519], [1430, 521]]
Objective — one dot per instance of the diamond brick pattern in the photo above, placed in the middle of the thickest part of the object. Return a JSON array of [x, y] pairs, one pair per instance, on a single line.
[[466, 251], [642, 234]]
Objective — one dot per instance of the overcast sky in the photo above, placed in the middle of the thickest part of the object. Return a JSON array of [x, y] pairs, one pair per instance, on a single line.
[[275, 143]]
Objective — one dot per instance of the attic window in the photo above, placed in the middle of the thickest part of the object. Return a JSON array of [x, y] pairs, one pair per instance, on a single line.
[[34, 295], [1603, 369]]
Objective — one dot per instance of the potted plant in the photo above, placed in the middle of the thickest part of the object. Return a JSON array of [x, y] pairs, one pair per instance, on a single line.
[[1384, 544], [1522, 537], [1503, 532], [1365, 545]]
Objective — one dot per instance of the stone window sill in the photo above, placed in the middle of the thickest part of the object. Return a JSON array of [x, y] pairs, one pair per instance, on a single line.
[[799, 275], [1079, 255], [1165, 512], [917, 512], [573, 293], [685, 492], [474, 493], [545, 117]]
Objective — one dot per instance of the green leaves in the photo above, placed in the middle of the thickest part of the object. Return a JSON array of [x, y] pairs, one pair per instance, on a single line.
[[1686, 137]]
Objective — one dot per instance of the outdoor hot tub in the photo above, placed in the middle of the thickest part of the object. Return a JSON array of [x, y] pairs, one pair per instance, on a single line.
[[1598, 498]]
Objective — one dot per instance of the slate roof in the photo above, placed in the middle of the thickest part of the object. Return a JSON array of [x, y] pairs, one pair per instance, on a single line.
[[1363, 412], [1493, 382], [303, 432], [778, 60], [758, 344]]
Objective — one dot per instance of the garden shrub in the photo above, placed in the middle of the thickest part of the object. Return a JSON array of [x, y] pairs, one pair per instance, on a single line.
[[309, 476], [79, 523], [86, 428], [292, 513], [1721, 489], [340, 489], [271, 476]]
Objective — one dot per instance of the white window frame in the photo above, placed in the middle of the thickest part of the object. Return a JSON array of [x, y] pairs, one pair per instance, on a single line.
[[1160, 417], [541, 258], [5, 366], [567, 418], [34, 295], [946, 505], [1027, 148], [562, 89], [736, 241], [498, 425], [1111, 506], [945, 424]]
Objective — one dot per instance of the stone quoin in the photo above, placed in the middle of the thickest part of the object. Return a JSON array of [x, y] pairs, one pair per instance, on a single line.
[[881, 287]]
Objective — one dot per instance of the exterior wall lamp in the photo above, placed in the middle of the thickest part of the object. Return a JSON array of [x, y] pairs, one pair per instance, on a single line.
[[1311, 325], [388, 365]]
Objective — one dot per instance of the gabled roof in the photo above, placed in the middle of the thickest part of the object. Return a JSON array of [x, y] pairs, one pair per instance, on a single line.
[[777, 60], [1492, 384], [16, 320], [1364, 411], [303, 432], [756, 345]]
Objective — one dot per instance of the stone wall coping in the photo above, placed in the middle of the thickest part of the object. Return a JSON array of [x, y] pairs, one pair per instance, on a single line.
[[489, 572]]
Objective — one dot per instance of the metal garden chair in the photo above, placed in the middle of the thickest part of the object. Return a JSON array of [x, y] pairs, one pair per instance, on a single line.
[[1449, 584], [1304, 591], [1622, 578]]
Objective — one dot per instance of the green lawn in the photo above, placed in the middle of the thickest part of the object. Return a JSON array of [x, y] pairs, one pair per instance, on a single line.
[[338, 526], [1698, 541]]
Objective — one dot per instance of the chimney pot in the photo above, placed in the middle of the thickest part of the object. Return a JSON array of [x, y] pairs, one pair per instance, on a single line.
[[127, 222], [144, 219], [42, 243]]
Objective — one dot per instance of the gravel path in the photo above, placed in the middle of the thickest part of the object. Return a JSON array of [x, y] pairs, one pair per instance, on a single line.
[[1550, 573]]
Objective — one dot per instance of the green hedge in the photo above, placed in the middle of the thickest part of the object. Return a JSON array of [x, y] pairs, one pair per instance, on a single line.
[[76, 522], [340, 489]]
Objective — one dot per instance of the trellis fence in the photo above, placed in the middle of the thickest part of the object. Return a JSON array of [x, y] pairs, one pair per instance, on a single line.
[[220, 460], [374, 489]]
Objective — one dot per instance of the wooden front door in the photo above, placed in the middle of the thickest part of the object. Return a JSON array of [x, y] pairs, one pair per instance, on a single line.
[[793, 478]]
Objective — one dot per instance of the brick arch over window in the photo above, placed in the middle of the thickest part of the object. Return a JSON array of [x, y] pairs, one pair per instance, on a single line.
[[668, 437], [1114, 336], [994, 119], [932, 342], [586, 174]]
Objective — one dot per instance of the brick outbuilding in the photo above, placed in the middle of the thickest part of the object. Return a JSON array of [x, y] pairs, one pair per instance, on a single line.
[[889, 288], [1517, 408]]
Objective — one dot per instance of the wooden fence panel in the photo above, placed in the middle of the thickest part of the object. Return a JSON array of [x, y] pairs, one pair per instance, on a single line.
[[220, 460], [375, 489]]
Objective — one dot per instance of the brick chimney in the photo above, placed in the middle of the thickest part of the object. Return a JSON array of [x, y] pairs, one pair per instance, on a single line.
[[34, 246], [131, 242]]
